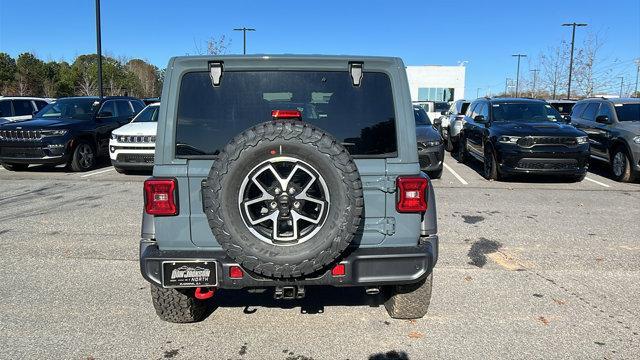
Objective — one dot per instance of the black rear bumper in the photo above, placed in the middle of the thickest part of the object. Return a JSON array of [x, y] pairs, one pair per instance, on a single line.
[[363, 266]]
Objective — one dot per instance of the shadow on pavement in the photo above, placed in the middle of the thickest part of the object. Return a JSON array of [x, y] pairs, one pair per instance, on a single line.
[[317, 297], [390, 355]]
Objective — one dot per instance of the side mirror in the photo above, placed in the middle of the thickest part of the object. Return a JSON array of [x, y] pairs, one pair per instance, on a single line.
[[479, 119], [104, 114], [437, 121], [603, 119]]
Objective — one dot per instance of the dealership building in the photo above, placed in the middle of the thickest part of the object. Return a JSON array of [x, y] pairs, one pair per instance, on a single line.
[[436, 83]]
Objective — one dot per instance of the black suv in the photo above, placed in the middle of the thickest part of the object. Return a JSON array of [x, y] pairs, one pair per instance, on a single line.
[[522, 136], [613, 126], [72, 131]]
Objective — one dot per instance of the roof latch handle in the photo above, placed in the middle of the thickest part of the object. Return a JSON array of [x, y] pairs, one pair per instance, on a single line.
[[215, 72], [355, 69]]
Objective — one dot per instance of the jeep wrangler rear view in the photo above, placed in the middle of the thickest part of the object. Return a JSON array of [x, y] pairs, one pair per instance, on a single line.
[[282, 173]]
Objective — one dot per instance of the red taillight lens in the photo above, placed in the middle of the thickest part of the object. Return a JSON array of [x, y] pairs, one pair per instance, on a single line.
[[338, 270], [286, 114], [160, 197], [235, 272], [412, 194]]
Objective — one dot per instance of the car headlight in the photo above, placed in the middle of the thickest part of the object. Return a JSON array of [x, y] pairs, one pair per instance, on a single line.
[[636, 139], [582, 140], [509, 139], [53, 132], [114, 136]]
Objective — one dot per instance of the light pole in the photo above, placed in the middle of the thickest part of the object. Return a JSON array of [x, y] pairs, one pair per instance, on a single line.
[[573, 38], [506, 86], [535, 77], [635, 92], [518, 71], [478, 92], [244, 38], [99, 48], [621, 84]]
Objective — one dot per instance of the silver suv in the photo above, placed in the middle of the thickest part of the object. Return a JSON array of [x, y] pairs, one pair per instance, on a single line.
[[613, 126]]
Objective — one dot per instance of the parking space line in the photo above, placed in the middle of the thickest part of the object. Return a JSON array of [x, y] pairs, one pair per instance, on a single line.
[[597, 182], [463, 181], [96, 173]]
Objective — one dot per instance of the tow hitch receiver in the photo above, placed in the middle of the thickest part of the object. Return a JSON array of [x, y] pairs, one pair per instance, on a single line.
[[289, 292]]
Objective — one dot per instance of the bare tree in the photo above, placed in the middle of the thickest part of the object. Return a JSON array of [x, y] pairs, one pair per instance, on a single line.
[[590, 77], [21, 85], [553, 65], [214, 46], [86, 84]]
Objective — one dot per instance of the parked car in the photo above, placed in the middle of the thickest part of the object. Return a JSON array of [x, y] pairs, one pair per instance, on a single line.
[[613, 126], [434, 110], [430, 146], [563, 106], [282, 173], [17, 108], [132, 146], [522, 136], [452, 121], [72, 131]]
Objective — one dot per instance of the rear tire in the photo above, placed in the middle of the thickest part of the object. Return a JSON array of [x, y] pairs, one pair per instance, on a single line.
[[179, 306], [450, 145], [621, 166], [409, 301], [83, 158], [463, 155], [15, 167]]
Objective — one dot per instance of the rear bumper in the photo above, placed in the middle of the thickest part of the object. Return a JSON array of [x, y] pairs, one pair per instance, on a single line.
[[364, 266]]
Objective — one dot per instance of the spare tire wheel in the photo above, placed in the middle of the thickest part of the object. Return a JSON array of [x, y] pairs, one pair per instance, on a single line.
[[284, 199]]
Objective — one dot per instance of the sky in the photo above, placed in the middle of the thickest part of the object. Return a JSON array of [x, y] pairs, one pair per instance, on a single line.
[[483, 33]]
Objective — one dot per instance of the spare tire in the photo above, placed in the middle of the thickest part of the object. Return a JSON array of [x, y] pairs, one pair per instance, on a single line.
[[284, 199]]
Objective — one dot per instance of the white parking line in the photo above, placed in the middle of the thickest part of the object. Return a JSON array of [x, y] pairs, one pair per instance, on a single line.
[[597, 182], [463, 181], [96, 173]]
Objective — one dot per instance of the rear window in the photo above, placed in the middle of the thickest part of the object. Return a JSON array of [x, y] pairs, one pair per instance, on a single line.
[[628, 112], [361, 118]]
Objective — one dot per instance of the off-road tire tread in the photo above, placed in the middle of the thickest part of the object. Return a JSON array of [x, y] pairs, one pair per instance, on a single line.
[[409, 301], [294, 132], [178, 306]]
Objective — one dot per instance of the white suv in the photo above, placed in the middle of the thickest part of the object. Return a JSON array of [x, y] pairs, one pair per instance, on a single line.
[[16, 108], [132, 146]]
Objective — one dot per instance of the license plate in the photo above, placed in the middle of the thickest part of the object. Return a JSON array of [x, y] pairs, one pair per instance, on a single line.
[[189, 273]]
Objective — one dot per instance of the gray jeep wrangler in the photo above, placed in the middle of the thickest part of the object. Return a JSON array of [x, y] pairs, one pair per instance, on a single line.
[[285, 172]]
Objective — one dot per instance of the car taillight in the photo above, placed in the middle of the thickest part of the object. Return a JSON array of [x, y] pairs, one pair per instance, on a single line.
[[160, 197], [412, 194], [286, 114]]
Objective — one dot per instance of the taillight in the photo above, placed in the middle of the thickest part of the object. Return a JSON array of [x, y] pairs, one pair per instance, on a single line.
[[286, 114], [160, 197], [412, 194]]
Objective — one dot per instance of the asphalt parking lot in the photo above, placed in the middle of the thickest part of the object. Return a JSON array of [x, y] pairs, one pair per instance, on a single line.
[[527, 269]]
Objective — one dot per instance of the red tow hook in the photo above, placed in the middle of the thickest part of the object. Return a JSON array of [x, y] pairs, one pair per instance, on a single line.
[[204, 293]]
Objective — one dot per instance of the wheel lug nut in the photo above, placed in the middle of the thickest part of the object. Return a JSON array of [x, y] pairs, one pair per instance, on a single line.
[[296, 204], [273, 205], [277, 191], [292, 190]]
